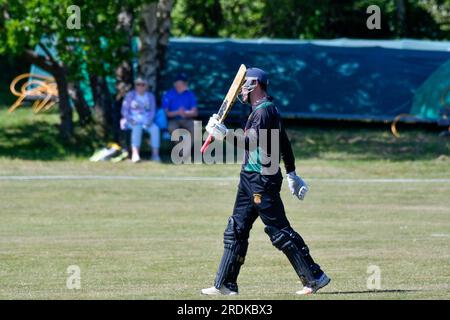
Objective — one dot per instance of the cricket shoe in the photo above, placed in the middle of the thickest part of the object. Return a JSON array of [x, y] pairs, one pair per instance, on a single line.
[[213, 291], [319, 284]]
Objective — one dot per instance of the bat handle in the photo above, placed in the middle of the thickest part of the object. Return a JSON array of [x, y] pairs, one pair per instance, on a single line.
[[206, 144]]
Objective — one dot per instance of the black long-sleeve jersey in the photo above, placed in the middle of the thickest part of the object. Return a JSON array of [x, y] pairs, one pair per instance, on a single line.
[[264, 128]]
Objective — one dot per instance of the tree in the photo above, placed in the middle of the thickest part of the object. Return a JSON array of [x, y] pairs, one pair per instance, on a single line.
[[401, 17], [155, 23], [79, 102], [23, 27], [296, 19], [104, 47], [440, 10], [100, 46], [124, 71], [206, 22]]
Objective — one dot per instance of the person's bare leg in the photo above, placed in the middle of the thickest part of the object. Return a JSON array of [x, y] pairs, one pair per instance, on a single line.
[[136, 139], [155, 155], [155, 142], [135, 157]]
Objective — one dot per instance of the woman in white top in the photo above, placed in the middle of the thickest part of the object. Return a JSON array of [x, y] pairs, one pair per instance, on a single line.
[[138, 113]]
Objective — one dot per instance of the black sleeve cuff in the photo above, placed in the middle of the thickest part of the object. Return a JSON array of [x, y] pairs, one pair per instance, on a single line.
[[289, 167]]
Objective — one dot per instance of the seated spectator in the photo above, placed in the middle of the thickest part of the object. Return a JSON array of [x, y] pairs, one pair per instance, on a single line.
[[138, 113], [180, 105]]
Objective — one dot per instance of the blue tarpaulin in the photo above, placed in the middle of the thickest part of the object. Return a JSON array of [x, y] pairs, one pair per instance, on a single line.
[[323, 79], [320, 79]]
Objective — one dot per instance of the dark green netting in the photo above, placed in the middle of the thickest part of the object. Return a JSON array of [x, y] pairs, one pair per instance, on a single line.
[[373, 80], [322, 79]]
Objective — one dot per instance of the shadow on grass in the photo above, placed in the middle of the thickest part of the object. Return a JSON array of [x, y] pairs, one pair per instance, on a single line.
[[367, 291], [37, 138], [40, 140], [368, 144]]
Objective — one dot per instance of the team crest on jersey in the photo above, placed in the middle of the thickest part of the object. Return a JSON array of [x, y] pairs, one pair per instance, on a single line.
[[257, 198]]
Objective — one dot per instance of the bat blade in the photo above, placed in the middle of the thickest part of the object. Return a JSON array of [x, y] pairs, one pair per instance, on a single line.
[[229, 100]]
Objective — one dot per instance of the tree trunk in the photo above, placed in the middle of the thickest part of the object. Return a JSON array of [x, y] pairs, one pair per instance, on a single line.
[[98, 110], [148, 37], [102, 104], [107, 101], [65, 110], [81, 106], [401, 16], [154, 37], [164, 24], [124, 72], [59, 72]]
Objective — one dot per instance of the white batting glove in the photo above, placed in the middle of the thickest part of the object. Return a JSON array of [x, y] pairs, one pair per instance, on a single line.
[[212, 122], [216, 129], [297, 186]]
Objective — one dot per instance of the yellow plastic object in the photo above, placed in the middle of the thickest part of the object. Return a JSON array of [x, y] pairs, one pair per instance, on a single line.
[[397, 119], [114, 145], [43, 87], [443, 101]]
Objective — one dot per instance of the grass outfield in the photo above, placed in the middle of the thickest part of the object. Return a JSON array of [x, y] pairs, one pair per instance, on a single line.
[[159, 235], [162, 239]]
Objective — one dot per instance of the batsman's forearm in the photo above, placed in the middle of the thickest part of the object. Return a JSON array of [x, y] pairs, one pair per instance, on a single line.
[[286, 151]]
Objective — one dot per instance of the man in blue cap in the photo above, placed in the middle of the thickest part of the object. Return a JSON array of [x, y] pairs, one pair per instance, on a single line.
[[259, 192], [180, 105]]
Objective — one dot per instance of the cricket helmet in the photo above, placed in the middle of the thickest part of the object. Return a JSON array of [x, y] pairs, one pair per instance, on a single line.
[[253, 76]]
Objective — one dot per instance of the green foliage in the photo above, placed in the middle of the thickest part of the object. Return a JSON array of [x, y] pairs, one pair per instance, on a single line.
[[242, 18], [440, 10], [206, 21], [297, 19], [27, 21]]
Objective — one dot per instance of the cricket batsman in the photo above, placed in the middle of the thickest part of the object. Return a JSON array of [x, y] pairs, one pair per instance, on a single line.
[[259, 192]]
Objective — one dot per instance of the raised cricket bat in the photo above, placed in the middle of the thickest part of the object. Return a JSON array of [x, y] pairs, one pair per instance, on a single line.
[[229, 100]]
